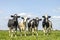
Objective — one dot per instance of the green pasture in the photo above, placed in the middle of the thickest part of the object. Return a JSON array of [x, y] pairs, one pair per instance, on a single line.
[[54, 35]]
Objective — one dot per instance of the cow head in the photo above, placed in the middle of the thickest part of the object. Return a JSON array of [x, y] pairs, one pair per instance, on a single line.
[[46, 17], [15, 17], [25, 19], [38, 19]]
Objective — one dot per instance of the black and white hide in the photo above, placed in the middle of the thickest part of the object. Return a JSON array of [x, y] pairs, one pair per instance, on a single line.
[[12, 25], [46, 24], [23, 25], [33, 25]]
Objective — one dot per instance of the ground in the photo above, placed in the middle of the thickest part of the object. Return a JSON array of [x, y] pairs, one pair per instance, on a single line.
[[55, 35]]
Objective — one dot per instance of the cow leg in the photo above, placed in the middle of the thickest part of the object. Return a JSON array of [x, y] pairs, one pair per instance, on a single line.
[[49, 30], [25, 31], [21, 30], [37, 31], [29, 30], [45, 30], [12, 32], [32, 31], [15, 31], [46, 33], [9, 31], [50, 27]]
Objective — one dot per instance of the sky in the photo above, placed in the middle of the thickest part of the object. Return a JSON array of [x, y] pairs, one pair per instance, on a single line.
[[30, 8]]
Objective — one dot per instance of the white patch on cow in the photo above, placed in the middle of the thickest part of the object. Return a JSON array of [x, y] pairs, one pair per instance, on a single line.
[[25, 19], [15, 15], [32, 22], [37, 19], [46, 15], [28, 21], [21, 21]]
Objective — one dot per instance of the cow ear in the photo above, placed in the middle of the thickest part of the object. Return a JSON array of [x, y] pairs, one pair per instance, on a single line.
[[28, 18], [12, 16], [49, 16], [40, 19], [43, 16], [33, 19], [22, 17]]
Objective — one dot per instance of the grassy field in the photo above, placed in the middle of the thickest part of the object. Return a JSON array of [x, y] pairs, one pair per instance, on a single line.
[[55, 35]]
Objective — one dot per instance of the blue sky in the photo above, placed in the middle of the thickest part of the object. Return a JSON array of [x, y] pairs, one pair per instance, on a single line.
[[30, 8]]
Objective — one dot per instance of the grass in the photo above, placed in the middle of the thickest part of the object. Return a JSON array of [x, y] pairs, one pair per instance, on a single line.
[[55, 35]]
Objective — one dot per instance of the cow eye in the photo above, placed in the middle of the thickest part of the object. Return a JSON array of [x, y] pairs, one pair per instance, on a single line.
[[22, 17]]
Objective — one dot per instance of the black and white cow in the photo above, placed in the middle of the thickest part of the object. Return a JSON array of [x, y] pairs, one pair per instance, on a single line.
[[33, 25], [47, 24], [23, 24], [12, 24]]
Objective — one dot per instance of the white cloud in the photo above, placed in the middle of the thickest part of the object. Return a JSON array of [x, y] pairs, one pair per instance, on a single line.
[[55, 16], [25, 14], [22, 14]]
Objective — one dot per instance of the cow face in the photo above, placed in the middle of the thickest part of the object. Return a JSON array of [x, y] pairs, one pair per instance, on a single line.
[[25, 19], [46, 17], [15, 17], [38, 19]]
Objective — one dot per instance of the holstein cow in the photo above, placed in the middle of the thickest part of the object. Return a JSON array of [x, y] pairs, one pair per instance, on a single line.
[[47, 24], [23, 25], [33, 25], [12, 25]]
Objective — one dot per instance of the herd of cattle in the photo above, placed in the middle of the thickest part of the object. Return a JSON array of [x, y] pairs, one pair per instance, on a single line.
[[32, 25]]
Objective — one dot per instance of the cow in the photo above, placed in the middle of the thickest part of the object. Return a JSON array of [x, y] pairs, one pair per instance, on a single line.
[[46, 24], [13, 24], [33, 25], [23, 25]]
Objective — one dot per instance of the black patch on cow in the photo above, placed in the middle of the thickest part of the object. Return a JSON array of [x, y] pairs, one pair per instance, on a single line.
[[45, 24]]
